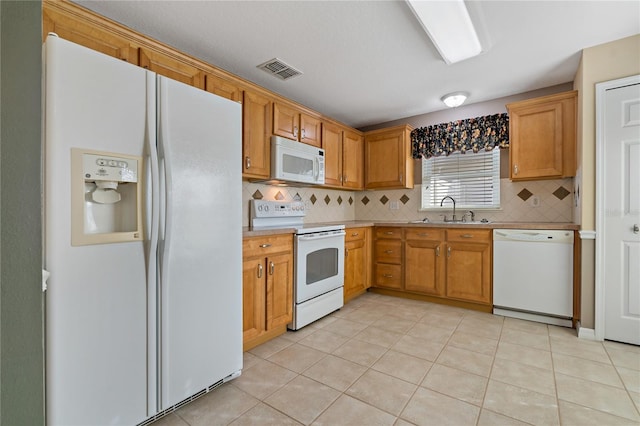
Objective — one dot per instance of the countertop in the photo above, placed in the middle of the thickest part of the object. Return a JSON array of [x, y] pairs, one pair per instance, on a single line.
[[250, 232]]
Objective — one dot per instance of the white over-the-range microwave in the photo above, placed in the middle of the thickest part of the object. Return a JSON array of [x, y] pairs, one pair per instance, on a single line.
[[296, 162]]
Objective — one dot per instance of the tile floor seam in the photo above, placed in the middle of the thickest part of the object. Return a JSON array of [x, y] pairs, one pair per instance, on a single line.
[[626, 388], [555, 382], [493, 361], [594, 409]]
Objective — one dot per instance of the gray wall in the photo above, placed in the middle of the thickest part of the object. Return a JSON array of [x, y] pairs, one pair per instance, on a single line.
[[21, 300]]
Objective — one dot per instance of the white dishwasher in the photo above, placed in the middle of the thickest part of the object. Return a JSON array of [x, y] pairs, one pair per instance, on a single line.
[[533, 275]]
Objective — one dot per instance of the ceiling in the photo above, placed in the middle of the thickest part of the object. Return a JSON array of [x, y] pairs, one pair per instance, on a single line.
[[366, 62]]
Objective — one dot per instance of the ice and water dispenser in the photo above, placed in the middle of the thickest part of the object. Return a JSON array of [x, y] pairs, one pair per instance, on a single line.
[[106, 197]]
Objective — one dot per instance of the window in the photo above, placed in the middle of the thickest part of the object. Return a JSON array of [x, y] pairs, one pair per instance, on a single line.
[[473, 180]]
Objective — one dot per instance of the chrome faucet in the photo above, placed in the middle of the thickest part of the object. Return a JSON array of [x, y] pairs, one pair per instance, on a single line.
[[470, 213], [454, 208]]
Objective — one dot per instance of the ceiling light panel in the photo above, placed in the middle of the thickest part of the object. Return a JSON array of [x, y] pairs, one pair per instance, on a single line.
[[450, 28]]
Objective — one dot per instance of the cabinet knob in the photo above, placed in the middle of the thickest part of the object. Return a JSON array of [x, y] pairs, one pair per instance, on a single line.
[[448, 252], [272, 267], [247, 162], [345, 179], [295, 131], [438, 251], [304, 135], [515, 169], [259, 270]]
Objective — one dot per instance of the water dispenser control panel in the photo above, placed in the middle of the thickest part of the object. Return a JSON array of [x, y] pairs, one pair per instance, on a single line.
[[100, 167]]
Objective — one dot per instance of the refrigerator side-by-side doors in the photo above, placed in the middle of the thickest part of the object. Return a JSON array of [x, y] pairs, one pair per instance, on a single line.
[[199, 143], [96, 302]]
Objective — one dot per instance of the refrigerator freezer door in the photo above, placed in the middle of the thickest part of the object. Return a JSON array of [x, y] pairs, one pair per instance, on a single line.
[[199, 146], [96, 303]]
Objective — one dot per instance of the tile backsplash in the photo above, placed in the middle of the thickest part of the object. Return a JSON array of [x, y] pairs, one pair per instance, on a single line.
[[532, 201]]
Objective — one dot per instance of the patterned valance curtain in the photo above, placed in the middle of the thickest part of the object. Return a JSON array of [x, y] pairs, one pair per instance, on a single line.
[[472, 134]]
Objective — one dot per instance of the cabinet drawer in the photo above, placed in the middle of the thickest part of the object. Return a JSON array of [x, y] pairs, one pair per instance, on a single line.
[[263, 246], [424, 234], [388, 275], [355, 234], [389, 251], [395, 233], [468, 235]]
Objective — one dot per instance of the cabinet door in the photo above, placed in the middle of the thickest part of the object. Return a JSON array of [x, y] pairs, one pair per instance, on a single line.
[[469, 271], [253, 298], [84, 33], [222, 87], [310, 130], [352, 160], [285, 121], [424, 267], [355, 275], [172, 68], [256, 131], [536, 133], [332, 145], [279, 290]]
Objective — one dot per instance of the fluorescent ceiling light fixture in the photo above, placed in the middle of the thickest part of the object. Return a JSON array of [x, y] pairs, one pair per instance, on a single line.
[[450, 28], [454, 99]]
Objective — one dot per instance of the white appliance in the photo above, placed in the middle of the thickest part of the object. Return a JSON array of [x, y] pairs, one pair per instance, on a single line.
[[533, 275], [296, 162], [318, 259], [144, 300]]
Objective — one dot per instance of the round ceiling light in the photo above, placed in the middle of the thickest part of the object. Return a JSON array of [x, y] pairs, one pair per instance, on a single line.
[[454, 99]]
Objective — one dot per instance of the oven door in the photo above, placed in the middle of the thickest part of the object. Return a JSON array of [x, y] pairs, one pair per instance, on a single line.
[[319, 266]]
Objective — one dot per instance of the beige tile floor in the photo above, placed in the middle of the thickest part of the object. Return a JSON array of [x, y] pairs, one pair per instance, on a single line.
[[387, 361]]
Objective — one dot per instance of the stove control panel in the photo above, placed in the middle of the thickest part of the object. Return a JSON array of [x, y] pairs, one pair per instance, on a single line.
[[267, 209]]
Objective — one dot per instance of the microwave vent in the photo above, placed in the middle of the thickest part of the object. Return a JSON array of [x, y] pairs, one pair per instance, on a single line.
[[280, 69]]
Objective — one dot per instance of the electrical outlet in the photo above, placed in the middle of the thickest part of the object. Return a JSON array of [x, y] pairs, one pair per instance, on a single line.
[[535, 201], [393, 205]]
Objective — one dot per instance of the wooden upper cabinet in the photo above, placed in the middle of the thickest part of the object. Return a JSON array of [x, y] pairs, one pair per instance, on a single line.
[[542, 134], [332, 145], [291, 123], [172, 68], [79, 30], [352, 160], [388, 162], [256, 135], [223, 88]]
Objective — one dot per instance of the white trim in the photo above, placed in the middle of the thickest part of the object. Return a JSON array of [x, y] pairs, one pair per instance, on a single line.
[[587, 235], [601, 89], [586, 333]]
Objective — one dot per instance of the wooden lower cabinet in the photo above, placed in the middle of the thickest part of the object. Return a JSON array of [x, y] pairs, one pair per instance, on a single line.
[[356, 262], [450, 266], [424, 262], [267, 288]]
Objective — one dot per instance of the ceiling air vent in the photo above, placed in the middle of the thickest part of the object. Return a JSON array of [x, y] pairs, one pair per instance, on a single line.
[[278, 68]]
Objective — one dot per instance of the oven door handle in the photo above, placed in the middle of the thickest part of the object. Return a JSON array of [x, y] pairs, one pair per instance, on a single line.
[[315, 237]]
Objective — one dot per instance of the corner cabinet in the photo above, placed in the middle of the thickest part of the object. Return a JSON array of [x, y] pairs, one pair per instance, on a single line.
[[356, 262], [542, 134], [344, 157], [449, 266], [388, 162], [267, 288]]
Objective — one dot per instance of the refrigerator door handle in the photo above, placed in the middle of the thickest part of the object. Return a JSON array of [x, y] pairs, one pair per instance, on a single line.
[[162, 199]]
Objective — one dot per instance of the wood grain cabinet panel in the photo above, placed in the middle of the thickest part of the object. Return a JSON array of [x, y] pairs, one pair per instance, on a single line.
[[424, 262], [267, 288], [332, 144], [256, 135], [223, 88], [170, 67], [469, 271], [352, 160], [542, 134], [291, 123], [357, 264], [388, 162]]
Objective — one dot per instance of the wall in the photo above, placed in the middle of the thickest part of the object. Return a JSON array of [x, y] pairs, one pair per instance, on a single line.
[[21, 301], [609, 61]]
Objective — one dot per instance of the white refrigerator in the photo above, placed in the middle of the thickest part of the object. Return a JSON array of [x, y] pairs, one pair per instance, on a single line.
[[143, 243]]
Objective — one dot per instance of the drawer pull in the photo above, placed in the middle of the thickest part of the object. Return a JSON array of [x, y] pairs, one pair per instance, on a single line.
[[388, 251], [423, 234], [466, 236], [259, 271], [388, 276], [389, 233], [354, 234], [265, 245]]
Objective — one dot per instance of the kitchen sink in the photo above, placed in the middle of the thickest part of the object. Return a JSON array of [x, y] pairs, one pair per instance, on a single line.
[[456, 223]]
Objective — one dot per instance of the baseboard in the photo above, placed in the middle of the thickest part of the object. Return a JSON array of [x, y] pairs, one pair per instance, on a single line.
[[586, 333]]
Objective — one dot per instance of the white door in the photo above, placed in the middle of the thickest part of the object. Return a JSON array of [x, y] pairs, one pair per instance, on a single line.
[[620, 208]]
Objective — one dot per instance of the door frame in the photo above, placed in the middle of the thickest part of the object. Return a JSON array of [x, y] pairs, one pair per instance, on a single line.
[[601, 89]]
